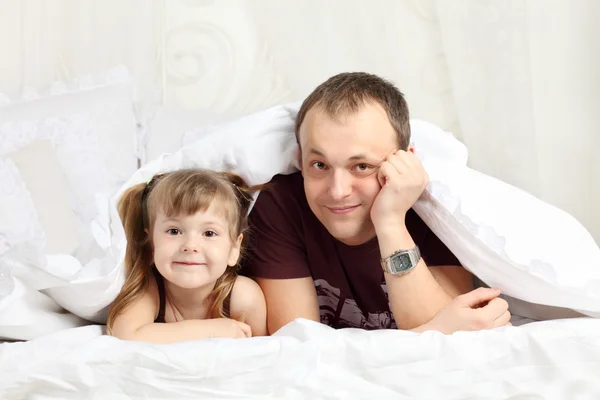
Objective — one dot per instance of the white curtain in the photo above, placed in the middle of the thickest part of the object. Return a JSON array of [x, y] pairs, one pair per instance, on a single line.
[[517, 80], [59, 40], [526, 84], [238, 56]]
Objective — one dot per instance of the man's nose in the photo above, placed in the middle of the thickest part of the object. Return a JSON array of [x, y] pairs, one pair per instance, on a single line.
[[341, 185]]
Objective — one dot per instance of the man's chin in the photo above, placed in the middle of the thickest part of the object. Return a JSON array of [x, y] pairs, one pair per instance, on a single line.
[[349, 237]]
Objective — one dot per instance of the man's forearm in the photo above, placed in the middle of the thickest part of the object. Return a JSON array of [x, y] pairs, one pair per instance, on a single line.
[[415, 297]]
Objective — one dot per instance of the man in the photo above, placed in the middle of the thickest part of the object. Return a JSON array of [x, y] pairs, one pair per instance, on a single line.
[[339, 243]]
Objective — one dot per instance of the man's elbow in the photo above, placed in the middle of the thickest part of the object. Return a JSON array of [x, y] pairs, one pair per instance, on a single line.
[[454, 279], [276, 323]]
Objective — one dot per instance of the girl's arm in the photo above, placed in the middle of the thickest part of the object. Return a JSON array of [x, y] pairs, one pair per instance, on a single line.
[[137, 323], [248, 305]]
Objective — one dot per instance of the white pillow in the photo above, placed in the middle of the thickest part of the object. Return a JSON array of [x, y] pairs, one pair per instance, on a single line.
[[40, 171], [164, 130], [29, 214], [92, 125], [19, 221], [58, 154]]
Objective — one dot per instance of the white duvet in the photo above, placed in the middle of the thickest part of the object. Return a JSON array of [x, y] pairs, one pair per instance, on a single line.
[[305, 360]]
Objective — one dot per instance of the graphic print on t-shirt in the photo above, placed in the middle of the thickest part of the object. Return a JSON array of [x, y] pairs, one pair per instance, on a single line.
[[343, 312]]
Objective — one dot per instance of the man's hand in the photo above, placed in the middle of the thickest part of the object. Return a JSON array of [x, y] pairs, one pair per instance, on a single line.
[[402, 179], [476, 310]]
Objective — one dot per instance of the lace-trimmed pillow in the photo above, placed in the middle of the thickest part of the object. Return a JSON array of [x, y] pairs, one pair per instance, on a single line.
[[40, 171], [20, 230], [92, 126], [35, 217], [18, 217]]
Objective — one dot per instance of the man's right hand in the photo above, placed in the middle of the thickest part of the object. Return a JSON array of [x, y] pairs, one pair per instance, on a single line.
[[476, 310]]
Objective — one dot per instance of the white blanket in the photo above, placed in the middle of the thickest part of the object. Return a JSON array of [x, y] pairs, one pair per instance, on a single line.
[[550, 360]]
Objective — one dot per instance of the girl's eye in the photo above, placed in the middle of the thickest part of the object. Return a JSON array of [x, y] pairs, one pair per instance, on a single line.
[[318, 165], [173, 231], [210, 234]]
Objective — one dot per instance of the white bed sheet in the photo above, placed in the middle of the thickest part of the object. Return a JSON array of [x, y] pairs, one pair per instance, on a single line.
[[557, 359]]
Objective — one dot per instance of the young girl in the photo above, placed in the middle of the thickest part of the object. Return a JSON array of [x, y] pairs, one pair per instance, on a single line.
[[184, 234]]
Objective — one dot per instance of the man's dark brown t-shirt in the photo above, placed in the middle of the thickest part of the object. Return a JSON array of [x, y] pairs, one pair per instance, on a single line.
[[288, 241]]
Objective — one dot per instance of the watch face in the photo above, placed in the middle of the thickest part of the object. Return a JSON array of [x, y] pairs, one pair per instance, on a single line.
[[401, 262]]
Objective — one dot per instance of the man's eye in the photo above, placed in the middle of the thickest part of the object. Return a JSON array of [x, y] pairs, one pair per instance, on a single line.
[[318, 165], [362, 167], [173, 231]]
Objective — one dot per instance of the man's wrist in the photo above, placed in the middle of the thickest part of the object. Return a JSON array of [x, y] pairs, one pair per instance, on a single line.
[[389, 221], [393, 237], [391, 229]]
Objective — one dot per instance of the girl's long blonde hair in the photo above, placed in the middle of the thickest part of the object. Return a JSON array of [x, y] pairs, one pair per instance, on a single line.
[[183, 192]]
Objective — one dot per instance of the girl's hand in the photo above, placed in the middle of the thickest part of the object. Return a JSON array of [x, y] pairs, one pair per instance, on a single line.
[[229, 328]]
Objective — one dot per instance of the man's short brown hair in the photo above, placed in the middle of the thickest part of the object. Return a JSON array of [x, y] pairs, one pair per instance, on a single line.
[[347, 92]]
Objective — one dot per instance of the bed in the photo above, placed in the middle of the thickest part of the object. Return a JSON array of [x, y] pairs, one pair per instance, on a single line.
[[545, 360], [218, 83]]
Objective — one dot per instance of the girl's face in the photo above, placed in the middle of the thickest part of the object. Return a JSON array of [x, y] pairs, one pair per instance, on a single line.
[[194, 251]]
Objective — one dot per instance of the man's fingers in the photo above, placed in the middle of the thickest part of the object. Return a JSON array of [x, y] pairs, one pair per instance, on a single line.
[[407, 163], [495, 309], [386, 170], [503, 320], [478, 296], [401, 160]]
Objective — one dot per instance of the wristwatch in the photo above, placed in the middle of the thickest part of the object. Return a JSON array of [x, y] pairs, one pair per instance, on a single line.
[[401, 261]]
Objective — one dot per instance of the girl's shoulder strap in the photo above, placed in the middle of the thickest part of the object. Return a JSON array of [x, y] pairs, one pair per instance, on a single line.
[[161, 294]]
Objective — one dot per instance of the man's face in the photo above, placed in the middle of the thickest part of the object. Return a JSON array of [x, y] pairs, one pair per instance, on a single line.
[[340, 161]]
